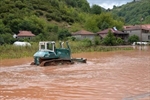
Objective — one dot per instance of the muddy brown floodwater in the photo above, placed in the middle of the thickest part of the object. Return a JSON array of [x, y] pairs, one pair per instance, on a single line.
[[119, 75]]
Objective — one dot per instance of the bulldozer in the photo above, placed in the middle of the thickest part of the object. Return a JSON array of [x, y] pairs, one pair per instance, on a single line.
[[48, 54]]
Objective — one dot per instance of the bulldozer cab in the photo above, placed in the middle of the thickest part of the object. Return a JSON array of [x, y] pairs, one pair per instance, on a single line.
[[47, 45], [61, 52]]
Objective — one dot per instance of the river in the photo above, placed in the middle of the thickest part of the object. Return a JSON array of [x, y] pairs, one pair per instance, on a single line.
[[117, 75]]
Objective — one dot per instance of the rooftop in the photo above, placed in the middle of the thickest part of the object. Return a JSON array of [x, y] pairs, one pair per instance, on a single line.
[[137, 27], [25, 34], [83, 32]]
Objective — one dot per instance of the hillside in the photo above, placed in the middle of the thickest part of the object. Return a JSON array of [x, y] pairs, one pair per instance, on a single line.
[[52, 19], [133, 12]]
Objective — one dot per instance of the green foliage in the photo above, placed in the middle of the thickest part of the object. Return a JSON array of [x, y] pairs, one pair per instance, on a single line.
[[110, 39], [63, 34], [87, 42], [119, 41], [106, 20], [11, 51], [132, 12], [97, 40], [91, 24], [45, 18], [95, 9], [133, 38], [6, 38]]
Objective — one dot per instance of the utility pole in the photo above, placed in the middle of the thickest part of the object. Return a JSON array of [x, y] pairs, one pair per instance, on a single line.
[[141, 28], [141, 31]]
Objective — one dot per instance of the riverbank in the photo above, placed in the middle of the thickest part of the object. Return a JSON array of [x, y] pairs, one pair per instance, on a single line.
[[119, 49], [13, 52]]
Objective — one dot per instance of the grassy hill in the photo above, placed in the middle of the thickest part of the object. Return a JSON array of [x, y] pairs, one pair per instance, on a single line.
[[133, 12], [52, 19]]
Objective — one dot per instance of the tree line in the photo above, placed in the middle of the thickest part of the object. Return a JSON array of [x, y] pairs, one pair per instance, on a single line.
[[52, 19]]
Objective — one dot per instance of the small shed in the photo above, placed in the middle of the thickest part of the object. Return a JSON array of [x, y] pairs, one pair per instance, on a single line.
[[25, 34], [82, 34]]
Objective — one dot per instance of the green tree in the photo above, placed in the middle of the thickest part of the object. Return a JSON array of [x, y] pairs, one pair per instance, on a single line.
[[133, 38], [91, 24], [6, 38], [97, 40], [119, 41], [63, 34], [110, 39], [95, 9], [87, 42]]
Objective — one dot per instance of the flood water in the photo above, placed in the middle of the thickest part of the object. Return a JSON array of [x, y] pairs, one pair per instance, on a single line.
[[118, 75]]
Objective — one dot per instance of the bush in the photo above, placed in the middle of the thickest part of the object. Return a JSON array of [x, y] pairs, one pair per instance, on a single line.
[[110, 39], [119, 41], [63, 34], [87, 42], [97, 40], [133, 38], [39, 13]]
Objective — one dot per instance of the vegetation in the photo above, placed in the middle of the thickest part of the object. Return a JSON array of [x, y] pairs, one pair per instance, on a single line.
[[133, 12], [133, 38], [109, 39], [56, 19], [10, 51], [46, 18]]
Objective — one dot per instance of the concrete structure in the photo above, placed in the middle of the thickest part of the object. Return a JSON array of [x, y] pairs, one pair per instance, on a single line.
[[83, 34], [142, 31]]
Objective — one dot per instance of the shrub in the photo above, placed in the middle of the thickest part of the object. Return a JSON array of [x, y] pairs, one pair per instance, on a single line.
[[110, 39], [87, 42], [133, 38], [97, 40], [119, 41]]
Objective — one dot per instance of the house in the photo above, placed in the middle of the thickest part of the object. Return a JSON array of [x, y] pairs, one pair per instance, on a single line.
[[116, 33], [142, 31], [25, 34], [83, 34]]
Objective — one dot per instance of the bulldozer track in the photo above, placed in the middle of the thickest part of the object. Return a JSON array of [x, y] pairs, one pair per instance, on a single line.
[[55, 62]]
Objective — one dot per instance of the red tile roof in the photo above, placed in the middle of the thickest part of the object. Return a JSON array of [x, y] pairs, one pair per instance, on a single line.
[[83, 32], [25, 34], [137, 27]]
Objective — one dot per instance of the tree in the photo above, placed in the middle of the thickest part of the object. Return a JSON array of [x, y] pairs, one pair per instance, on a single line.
[[133, 38], [119, 41], [63, 34], [91, 24], [97, 40], [110, 39], [96, 9]]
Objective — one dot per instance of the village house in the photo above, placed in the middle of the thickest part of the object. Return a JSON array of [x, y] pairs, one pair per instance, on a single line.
[[120, 34], [83, 34], [25, 34], [142, 31]]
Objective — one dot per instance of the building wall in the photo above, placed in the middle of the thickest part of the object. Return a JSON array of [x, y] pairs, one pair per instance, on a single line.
[[80, 37], [145, 36]]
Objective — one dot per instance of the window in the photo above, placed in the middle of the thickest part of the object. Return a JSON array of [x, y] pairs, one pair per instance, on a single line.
[[148, 37]]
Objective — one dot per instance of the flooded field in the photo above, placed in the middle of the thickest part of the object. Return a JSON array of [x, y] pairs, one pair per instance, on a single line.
[[119, 75]]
